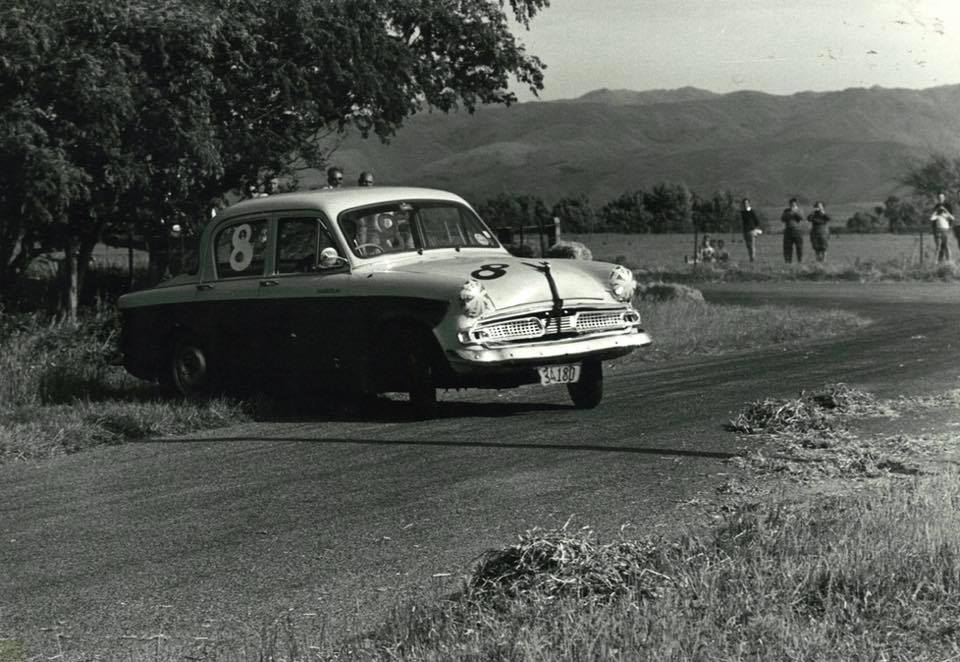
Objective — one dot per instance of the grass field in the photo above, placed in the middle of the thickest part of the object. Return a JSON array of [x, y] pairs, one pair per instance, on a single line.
[[667, 251]]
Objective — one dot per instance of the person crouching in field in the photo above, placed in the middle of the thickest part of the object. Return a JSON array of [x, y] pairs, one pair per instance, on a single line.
[[941, 219], [792, 234], [819, 232], [751, 228]]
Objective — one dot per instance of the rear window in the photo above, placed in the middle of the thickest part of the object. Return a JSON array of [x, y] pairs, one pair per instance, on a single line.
[[241, 248]]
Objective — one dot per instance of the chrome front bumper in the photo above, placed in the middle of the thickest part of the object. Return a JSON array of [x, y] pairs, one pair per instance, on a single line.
[[541, 353]]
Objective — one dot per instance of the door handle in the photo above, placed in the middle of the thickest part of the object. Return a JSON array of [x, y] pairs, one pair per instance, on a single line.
[[269, 283], [203, 287]]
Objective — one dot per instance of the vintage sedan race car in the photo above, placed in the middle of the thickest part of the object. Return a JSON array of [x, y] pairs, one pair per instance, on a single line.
[[380, 290]]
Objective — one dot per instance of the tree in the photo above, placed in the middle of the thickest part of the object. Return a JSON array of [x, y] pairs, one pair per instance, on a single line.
[[130, 109], [902, 215], [515, 210], [866, 222], [940, 173], [715, 214], [626, 214], [671, 206], [576, 214]]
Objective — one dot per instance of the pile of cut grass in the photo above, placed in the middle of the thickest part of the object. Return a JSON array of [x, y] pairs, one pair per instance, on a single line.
[[557, 563], [811, 410], [808, 437]]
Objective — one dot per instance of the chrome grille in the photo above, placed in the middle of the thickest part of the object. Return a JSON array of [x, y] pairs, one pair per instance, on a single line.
[[529, 327], [599, 321], [560, 324], [544, 325]]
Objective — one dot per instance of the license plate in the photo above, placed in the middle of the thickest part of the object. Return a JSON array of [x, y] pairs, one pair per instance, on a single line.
[[559, 374]]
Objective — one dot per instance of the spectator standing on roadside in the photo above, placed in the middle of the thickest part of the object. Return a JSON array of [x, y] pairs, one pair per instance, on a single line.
[[792, 233], [942, 202], [941, 220], [819, 232], [751, 227], [334, 177], [366, 179]]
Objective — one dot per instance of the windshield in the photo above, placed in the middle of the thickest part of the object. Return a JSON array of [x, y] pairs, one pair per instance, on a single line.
[[409, 226]]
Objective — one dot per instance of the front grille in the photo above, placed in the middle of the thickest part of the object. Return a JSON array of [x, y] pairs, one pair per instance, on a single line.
[[546, 325], [599, 321], [522, 329]]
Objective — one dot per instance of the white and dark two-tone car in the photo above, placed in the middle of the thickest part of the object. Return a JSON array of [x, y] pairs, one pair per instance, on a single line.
[[379, 290]]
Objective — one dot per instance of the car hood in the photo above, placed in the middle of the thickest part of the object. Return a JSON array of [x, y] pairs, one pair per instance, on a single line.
[[512, 282]]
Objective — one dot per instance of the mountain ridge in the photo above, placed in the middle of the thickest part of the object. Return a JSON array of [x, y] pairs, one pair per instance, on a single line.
[[849, 145]]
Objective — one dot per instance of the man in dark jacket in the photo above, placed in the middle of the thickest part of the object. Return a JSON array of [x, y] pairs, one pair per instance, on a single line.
[[792, 234], [819, 231], [751, 228]]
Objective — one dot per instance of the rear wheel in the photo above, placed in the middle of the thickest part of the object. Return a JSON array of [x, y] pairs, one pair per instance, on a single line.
[[415, 361], [188, 368], [588, 391]]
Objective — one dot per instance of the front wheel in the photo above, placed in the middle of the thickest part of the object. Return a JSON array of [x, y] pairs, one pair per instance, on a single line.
[[419, 373], [588, 391]]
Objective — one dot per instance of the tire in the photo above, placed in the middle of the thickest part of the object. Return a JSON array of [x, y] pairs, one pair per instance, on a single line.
[[188, 368], [416, 364], [588, 392]]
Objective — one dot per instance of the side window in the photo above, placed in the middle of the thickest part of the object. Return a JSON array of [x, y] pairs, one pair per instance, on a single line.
[[240, 249], [299, 242], [297, 245]]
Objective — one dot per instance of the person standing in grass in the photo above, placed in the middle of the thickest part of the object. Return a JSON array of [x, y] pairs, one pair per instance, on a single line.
[[942, 220], [751, 227], [943, 202], [792, 233], [819, 232]]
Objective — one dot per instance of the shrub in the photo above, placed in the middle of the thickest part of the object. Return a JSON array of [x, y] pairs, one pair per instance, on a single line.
[[572, 250]]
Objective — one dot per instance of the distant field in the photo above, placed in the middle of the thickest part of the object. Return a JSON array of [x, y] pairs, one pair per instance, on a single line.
[[669, 250]]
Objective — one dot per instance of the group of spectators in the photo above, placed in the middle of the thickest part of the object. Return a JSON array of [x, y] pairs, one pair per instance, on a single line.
[[792, 219], [941, 219], [335, 178]]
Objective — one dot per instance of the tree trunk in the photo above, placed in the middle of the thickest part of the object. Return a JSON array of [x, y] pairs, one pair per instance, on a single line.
[[69, 298]]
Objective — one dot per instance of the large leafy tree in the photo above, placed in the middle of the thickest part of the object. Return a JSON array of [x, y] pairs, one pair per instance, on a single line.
[[112, 110]]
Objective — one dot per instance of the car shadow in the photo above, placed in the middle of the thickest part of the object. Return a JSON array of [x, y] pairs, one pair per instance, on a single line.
[[505, 445], [347, 408]]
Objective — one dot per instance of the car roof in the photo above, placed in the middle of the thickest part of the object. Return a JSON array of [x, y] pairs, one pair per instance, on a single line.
[[334, 201]]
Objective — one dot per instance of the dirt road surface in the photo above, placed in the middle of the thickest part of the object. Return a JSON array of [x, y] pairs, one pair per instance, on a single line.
[[333, 514]]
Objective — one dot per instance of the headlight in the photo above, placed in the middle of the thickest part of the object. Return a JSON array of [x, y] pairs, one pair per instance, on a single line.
[[622, 284], [474, 299]]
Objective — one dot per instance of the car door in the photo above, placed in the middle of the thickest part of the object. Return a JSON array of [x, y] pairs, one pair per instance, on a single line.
[[228, 315], [302, 301]]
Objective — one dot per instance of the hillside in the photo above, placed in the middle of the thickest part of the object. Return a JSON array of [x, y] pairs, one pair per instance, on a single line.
[[843, 147]]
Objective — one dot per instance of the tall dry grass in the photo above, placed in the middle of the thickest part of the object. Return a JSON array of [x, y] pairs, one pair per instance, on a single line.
[[59, 393], [872, 576]]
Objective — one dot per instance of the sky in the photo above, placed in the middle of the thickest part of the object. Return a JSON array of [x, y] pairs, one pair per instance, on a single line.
[[775, 46]]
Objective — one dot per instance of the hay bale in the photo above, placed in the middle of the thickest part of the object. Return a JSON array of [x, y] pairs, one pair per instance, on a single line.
[[571, 250], [660, 291]]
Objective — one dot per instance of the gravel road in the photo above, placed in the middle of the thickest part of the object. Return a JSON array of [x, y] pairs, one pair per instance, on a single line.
[[333, 514]]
